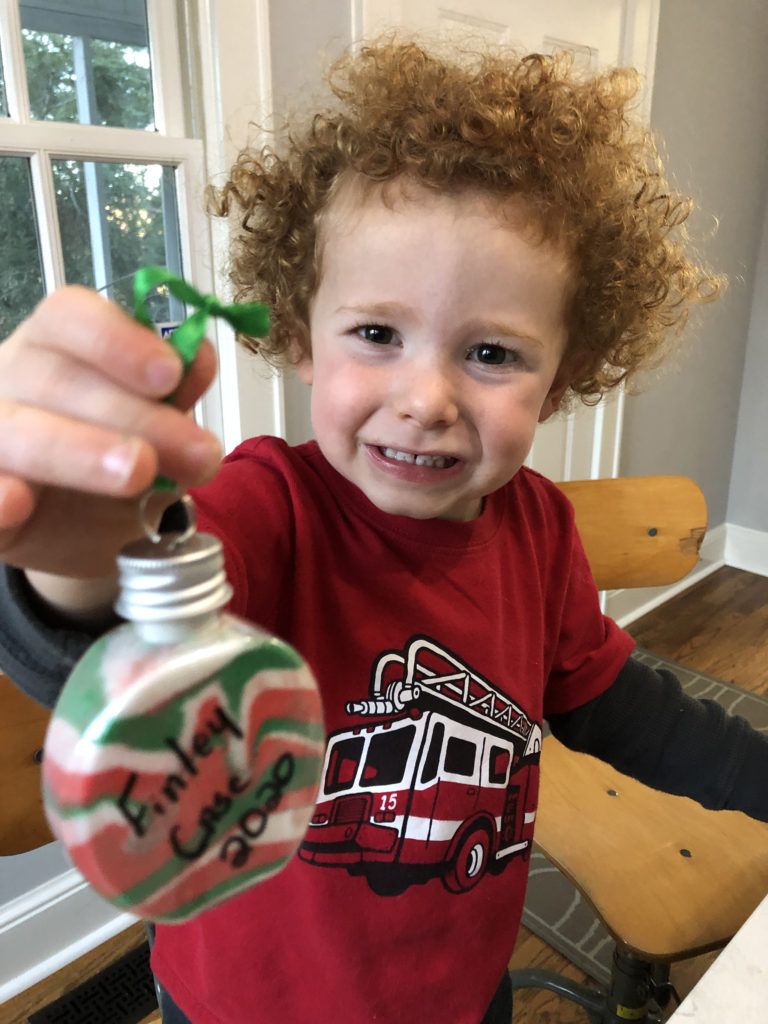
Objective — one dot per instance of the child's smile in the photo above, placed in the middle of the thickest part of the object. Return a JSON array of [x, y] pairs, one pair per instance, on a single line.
[[417, 466], [437, 332]]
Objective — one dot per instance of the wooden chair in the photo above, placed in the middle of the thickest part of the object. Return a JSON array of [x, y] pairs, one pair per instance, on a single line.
[[668, 879], [23, 826]]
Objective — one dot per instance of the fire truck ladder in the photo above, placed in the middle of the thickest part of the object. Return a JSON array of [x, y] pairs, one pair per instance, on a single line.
[[459, 686]]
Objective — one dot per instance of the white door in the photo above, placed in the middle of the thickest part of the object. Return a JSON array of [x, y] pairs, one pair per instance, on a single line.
[[584, 443]]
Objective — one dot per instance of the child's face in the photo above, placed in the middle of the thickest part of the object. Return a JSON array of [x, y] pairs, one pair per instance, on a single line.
[[436, 335]]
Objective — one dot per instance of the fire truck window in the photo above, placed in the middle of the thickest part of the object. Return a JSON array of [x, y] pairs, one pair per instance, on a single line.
[[387, 756], [432, 760], [342, 764], [498, 764], [460, 756]]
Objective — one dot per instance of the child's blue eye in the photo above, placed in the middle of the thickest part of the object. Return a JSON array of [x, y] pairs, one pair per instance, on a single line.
[[493, 355], [376, 333]]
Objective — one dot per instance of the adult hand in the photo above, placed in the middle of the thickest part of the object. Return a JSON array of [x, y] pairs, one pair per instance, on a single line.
[[84, 430]]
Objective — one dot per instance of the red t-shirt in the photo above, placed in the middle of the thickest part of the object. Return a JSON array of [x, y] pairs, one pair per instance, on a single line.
[[439, 648]]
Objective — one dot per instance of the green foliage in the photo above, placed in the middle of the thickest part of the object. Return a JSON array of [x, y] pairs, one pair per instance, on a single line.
[[50, 76], [122, 88], [21, 278]]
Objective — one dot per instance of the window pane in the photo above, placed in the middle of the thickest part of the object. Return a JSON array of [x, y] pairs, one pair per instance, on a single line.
[[90, 64], [343, 763], [21, 274], [115, 218], [387, 757], [460, 756]]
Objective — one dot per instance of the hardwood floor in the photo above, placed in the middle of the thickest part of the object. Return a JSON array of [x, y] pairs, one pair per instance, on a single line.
[[719, 626]]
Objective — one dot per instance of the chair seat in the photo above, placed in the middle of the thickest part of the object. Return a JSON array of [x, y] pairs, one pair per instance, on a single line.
[[667, 878]]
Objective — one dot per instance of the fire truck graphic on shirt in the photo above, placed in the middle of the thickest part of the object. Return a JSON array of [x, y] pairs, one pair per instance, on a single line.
[[437, 778]]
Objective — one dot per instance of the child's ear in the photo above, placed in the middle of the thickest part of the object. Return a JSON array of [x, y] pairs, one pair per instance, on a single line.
[[554, 397], [301, 359], [304, 368]]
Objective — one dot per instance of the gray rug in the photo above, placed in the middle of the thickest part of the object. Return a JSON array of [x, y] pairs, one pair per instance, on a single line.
[[554, 910]]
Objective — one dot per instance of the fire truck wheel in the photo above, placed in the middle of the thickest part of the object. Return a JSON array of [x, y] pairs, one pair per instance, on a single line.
[[386, 881], [470, 861]]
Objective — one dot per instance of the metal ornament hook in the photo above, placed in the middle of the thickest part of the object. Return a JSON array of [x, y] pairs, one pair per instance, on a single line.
[[183, 508]]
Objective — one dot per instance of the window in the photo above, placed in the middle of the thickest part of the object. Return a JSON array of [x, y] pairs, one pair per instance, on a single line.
[[100, 172], [113, 116], [343, 762], [498, 765], [387, 756], [432, 760], [88, 63], [460, 756]]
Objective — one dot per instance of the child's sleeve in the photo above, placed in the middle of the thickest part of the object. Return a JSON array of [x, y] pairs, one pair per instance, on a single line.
[[647, 727], [36, 654]]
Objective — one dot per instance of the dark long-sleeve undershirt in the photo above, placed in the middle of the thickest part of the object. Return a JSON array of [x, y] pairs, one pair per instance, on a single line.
[[646, 726]]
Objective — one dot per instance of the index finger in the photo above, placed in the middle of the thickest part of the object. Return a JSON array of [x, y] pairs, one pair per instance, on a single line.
[[94, 330]]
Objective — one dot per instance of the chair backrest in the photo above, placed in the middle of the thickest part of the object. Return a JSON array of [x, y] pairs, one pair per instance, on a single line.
[[637, 532]]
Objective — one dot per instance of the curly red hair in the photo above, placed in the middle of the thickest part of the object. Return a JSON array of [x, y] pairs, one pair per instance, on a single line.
[[512, 127]]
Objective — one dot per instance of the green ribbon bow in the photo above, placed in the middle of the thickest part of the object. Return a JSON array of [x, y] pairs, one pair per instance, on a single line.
[[249, 318]]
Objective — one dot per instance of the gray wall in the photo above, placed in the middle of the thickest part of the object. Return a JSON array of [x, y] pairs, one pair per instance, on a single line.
[[710, 106]]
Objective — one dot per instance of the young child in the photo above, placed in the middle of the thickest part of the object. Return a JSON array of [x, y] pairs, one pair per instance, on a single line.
[[450, 251]]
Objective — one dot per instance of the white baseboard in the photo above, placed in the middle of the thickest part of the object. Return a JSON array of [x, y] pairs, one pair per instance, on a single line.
[[50, 926], [747, 549]]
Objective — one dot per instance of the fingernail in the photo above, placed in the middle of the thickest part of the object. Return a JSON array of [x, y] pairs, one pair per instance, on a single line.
[[119, 462]]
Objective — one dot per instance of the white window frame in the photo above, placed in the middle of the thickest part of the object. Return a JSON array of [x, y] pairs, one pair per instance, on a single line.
[[217, 87], [233, 42], [54, 917]]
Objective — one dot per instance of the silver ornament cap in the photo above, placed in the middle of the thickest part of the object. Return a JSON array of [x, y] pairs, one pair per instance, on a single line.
[[172, 578]]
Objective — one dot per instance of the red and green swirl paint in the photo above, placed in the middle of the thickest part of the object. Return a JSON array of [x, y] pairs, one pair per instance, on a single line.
[[174, 784]]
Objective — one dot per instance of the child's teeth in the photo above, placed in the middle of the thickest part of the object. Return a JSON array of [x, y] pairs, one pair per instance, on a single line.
[[438, 461], [392, 453]]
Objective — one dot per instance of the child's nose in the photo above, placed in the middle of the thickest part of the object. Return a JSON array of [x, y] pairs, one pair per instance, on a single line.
[[426, 395]]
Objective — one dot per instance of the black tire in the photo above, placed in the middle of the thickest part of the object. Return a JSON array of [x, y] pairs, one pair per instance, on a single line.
[[470, 862]]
